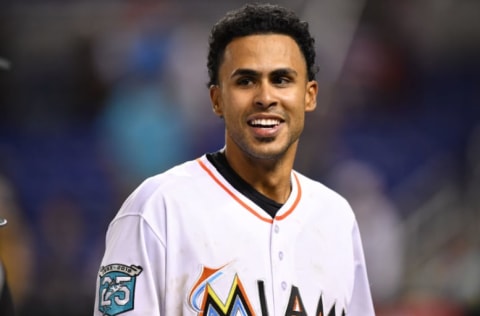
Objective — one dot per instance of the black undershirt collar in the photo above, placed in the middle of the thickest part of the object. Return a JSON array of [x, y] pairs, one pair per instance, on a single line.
[[219, 161]]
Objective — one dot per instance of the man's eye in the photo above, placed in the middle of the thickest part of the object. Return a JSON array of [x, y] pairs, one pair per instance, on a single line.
[[282, 80], [244, 81]]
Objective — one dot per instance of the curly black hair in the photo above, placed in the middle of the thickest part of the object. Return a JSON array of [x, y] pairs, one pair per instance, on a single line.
[[254, 19]]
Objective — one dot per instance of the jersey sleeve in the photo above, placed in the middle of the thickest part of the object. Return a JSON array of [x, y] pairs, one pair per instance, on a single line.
[[131, 276], [361, 302]]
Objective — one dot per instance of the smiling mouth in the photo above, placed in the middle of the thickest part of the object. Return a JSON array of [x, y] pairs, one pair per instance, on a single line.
[[264, 123]]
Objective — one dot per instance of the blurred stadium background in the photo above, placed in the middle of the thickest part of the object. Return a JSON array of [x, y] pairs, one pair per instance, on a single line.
[[97, 95]]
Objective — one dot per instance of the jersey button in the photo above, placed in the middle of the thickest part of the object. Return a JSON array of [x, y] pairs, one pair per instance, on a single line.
[[277, 228], [280, 255], [284, 285]]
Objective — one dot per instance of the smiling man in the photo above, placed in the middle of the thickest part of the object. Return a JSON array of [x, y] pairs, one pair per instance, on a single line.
[[238, 231], [262, 93]]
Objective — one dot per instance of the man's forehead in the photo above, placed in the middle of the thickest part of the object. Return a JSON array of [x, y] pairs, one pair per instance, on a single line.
[[253, 41], [264, 51]]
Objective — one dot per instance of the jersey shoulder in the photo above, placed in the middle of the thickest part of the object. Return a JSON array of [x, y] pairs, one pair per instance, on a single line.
[[311, 186], [317, 193], [152, 190]]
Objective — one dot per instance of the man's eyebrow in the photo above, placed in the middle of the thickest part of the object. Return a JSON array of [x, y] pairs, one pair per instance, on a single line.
[[245, 72], [284, 72], [254, 73]]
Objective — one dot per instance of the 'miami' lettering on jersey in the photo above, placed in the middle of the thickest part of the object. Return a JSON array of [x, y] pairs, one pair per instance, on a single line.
[[295, 304], [238, 303], [207, 276]]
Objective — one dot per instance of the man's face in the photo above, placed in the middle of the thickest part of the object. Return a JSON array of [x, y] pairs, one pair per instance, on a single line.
[[263, 94]]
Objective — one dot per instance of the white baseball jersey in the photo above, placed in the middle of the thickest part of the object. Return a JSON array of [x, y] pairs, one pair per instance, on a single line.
[[187, 243]]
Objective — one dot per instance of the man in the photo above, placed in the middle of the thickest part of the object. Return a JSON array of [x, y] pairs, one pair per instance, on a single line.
[[6, 302], [238, 232]]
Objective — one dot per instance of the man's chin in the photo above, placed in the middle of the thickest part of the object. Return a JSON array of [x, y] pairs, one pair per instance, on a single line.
[[267, 152]]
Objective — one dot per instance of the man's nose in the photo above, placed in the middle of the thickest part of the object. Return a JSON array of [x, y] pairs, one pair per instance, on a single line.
[[265, 95]]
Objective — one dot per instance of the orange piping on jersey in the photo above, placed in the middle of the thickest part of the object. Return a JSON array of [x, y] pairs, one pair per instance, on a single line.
[[295, 203], [246, 206]]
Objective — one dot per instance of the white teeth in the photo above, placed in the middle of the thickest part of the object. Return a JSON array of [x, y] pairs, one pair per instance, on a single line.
[[265, 122]]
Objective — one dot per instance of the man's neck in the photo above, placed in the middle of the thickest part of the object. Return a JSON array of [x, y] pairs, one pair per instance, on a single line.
[[270, 177]]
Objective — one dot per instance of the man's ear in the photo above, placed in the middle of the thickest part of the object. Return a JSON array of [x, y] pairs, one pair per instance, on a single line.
[[311, 96], [216, 100]]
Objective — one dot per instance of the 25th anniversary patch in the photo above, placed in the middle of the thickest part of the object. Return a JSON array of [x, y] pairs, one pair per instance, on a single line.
[[117, 288]]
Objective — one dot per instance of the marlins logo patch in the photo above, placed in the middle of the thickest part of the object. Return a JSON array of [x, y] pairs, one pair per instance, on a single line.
[[117, 288]]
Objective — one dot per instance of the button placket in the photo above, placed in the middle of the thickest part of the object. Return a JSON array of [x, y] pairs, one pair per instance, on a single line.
[[278, 256]]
